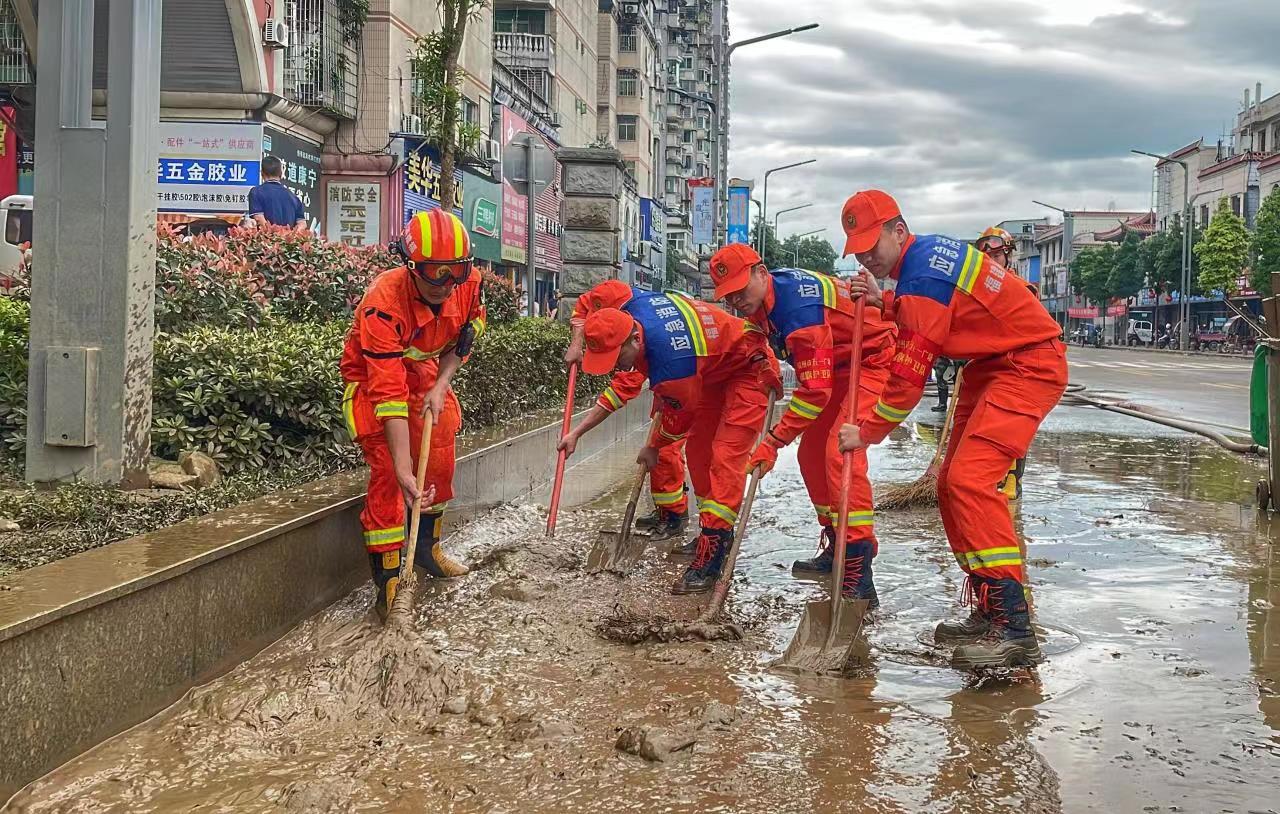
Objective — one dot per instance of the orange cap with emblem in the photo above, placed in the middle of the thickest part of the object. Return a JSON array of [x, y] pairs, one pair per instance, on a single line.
[[731, 268], [605, 332], [864, 215]]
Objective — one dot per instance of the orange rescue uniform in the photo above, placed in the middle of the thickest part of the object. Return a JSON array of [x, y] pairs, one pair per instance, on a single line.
[[389, 363], [666, 480], [710, 373], [950, 300], [812, 316]]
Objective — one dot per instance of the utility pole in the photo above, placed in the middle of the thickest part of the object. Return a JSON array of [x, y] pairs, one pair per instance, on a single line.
[[93, 300]]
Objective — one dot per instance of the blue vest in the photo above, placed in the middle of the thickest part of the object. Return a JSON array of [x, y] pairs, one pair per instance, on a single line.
[[799, 300], [673, 335], [936, 267]]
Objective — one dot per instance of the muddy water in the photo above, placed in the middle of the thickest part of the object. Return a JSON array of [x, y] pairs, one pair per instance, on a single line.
[[1154, 581]]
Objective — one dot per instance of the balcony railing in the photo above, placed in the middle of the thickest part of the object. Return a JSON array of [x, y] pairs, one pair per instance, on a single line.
[[525, 50], [321, 67]]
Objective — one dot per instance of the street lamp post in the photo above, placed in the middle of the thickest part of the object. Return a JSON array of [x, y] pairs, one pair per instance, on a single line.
[[1184, 306], [795, 251], [722, 130], [785, 211], [765, 206], [1068, 237]]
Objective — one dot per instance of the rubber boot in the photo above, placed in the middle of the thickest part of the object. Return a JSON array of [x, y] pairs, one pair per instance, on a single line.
[[978, 623], [1013, 642], [1012, 483], [701, 575], [650, 521], [670, 524], [858, 582], [430, 555], [385, 566], [820, 563]]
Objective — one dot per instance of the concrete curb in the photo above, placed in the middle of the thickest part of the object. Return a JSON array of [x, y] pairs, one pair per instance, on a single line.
[[97, 642]]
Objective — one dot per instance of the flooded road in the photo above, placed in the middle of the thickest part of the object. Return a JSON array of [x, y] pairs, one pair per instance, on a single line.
[[1155, 583]]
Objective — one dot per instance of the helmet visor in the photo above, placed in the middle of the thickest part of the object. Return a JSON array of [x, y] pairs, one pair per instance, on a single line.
[[442, 273], [992, 243]]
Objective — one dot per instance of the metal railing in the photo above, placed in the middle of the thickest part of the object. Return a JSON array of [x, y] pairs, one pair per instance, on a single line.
[[525, 50], [14, 67], [321, 62]]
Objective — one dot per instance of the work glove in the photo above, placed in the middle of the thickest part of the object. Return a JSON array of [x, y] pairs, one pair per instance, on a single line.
[[765, 456], [767, 373]]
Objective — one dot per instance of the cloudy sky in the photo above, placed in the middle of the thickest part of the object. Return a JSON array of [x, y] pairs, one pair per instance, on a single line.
[[965, 110]]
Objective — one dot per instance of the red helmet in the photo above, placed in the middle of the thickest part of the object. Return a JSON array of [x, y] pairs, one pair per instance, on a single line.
[[436, 246]]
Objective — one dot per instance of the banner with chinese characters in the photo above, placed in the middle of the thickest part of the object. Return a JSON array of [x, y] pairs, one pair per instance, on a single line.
[[704, 206], [301, 160], [422, 179], [739, 215], [354, 214], [208, 167]]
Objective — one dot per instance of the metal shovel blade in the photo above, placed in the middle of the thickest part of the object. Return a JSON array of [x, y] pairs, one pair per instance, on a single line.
[[826, 645], [615, 551]]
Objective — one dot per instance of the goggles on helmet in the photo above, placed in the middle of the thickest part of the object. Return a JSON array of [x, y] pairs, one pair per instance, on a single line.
[[992, 243], [434, 273]]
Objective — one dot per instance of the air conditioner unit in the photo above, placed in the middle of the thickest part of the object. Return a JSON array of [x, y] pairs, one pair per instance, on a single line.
[[490, 150], [630, 8], [555, 119], [275, 34], [410, 123], [645, 251]]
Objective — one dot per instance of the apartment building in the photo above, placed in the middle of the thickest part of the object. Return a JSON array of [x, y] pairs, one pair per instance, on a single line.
[[696, 98], [552, 46], [1058, 244], [1026, 255]]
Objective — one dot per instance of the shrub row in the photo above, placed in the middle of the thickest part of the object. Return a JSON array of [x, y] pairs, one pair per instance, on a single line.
[[256, 397], [254, 276]]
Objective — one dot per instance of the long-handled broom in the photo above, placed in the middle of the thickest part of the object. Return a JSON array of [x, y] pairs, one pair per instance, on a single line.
[[924, 491]]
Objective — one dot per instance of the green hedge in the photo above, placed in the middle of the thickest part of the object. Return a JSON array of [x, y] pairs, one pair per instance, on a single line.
[[255, 397], [255, 276]]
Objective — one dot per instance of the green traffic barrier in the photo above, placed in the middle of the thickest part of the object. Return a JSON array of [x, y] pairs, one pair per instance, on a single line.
[[1258, 426]]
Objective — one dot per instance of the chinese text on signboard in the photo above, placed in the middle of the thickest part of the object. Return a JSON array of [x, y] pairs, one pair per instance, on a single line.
[[207, 166], [354, 214], [739, 215], [703, 218]]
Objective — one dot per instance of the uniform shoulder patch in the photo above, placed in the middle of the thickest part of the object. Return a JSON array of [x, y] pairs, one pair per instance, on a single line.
[[932, 268]]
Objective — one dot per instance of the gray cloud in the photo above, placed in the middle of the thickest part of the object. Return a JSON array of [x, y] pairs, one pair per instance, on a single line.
[[966, 110]]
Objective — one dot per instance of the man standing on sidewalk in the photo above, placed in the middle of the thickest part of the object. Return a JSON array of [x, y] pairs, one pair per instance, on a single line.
[[271, 203], [949, 299]]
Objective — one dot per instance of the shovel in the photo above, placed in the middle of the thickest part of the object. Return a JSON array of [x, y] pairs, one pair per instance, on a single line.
[[829, 638], [402, 605], [614, 550], [558, 483]]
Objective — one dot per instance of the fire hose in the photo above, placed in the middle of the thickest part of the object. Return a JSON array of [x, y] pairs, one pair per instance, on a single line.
[[1074, 397]]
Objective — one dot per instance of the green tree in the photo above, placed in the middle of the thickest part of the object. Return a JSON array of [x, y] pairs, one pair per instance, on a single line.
[[438, 79], [1091, 273], [812, 253], [773, 255], [1223, 251], [1266, 244], [1126, 275]]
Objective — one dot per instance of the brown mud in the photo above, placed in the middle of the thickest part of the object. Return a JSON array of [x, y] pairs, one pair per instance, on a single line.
[[1156, 586]]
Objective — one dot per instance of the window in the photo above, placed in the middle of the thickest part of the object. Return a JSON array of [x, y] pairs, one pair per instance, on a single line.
[[687, 63], [627, 43], [519, 21], [630, 167], [17, 227], [1262, 141], [1204, 215], [671, 185], [687, 137], [626, 128], [628, 84], [675, 243], [1235, 205]]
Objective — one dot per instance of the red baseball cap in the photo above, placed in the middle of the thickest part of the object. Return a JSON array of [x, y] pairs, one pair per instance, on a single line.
[[864, 215], [731, 268], [605, 332]]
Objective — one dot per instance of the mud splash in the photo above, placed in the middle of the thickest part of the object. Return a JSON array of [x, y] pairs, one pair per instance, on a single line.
[[1156, 588]]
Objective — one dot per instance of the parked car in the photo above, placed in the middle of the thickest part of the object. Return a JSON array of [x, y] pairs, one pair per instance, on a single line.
[[1140, 332]]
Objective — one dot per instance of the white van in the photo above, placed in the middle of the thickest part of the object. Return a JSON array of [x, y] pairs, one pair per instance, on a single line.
[[18, 211], [1140, 332]]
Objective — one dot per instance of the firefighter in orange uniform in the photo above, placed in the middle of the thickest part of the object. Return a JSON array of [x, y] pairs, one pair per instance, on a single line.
[[949, 299], [810, 317], [413, 329], [998, 245], [711, 373], [666, 480]]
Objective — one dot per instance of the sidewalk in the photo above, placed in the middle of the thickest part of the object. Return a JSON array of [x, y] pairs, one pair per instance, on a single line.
[[1246, 357]]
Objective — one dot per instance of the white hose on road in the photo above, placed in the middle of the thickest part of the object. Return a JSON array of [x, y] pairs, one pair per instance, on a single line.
[[1073, 397]]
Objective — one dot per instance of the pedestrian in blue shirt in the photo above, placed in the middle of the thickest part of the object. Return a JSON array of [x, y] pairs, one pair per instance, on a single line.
[[270, 202]]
